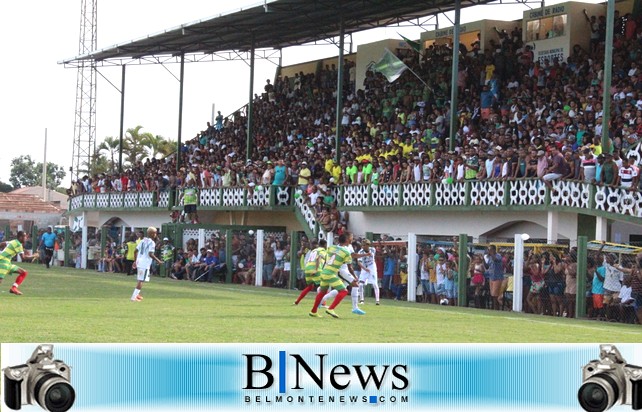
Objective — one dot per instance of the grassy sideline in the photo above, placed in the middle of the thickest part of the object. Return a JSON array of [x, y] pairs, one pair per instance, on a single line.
[[68, 305]]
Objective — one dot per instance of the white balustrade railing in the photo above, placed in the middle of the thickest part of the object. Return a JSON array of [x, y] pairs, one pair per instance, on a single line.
[[487, 193], [450, 194], [163, 199], [385, 195], [233, 196], [568, 194], [526, 192], [209, 197], [307, 212], [258, 196], [618, 200], [417, 194], [116, 200], [146, 199], [355, 196]]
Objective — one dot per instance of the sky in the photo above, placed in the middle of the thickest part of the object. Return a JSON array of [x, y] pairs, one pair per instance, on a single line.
[[37, 93]]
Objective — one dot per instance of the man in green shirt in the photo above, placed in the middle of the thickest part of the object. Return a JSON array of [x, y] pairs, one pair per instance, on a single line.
[[351, 171], [190, 200]]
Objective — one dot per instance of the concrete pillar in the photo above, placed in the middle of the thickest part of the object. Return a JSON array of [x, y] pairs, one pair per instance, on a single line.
[[84, 245], [412, 267], [552, 227], [260, 234], [601, 228], [201, 238]]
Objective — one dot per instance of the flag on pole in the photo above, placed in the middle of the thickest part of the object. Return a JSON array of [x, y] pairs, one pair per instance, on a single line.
[[390, 66], [413, 44]]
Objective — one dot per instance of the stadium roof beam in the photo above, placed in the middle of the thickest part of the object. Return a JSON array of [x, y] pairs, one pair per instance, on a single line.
[[286, 23]]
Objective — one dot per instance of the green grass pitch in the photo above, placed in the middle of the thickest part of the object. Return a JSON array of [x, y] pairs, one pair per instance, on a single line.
[[69, 305]]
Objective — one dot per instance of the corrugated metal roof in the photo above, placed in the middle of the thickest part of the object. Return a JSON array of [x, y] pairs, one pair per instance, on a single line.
[[274, 25]]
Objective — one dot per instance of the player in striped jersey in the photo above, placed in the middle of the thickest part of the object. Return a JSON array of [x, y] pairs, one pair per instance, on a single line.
[[314, 261], [143, 262], [10, 250], [336, 256], [368, 270]]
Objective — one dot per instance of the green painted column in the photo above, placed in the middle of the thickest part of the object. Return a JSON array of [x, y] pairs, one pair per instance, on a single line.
[[580, 296], [462, 283], [228, 256], [294, 260], [67, 245], [7, 232], [454, 120], [608, 68]]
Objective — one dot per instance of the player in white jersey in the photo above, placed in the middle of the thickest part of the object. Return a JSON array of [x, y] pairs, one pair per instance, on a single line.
[[346, 274], [368, 271], [143, 261]]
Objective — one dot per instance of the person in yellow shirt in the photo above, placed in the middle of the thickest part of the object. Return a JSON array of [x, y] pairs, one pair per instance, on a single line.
[[130, 254], [305, 176], [329, 164], [407, 147]]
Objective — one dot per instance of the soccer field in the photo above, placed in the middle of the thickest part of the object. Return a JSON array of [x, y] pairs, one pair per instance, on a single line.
[[68, 305]]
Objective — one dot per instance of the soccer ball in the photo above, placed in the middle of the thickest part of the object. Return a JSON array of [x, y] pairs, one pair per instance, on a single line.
[[444, 302], [251, 233]]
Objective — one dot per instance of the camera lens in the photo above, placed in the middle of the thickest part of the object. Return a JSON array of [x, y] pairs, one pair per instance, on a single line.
[[598, 393], [54, 393], [593, 397]]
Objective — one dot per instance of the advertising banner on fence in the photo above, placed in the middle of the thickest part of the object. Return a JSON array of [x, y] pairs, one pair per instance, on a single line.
[[320, 377]]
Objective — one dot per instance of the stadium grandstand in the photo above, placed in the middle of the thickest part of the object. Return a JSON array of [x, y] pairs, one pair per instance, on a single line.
[[526, 154]]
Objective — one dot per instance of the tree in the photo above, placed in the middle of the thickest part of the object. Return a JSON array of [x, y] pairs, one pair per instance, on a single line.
[[112, 146], [26, 172], [134, 145], [158, 145], [5, 187]]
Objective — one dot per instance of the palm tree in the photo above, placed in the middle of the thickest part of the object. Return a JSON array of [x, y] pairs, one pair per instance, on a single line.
[[134, 144], [112, 146], [98, 164], [158, 145]]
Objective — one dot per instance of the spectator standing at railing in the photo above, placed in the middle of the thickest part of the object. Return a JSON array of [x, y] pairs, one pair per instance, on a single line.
[[305, 176], [609, 171], [627, 175], [190, 200]]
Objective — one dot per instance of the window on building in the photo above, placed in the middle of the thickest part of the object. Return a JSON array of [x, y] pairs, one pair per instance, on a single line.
[[546, 28]]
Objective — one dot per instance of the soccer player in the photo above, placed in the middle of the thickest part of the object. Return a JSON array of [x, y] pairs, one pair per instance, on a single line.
[[144, 257], [313, 264], [10, 250], [368, 271], [48, 240], [336, 256]]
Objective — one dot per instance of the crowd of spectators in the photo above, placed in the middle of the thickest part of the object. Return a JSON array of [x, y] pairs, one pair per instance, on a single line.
[[516, 118]]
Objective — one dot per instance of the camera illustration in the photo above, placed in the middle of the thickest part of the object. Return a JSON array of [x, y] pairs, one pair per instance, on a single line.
[[610, 381], [42, 379]]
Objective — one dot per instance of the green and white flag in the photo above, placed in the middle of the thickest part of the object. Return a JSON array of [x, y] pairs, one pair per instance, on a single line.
[[390, 66]]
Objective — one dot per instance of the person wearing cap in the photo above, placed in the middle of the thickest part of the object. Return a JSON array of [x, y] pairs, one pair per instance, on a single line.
[[48, 242], [558, 168], [368, 271], [143, 264], [304, 176]]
